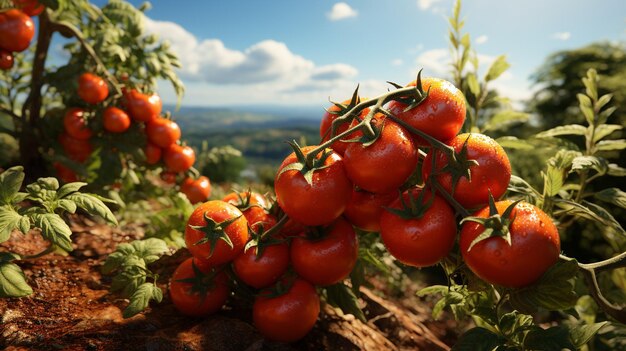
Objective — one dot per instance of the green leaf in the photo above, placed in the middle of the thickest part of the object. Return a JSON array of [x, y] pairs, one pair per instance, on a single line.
[[93, 205], [69, 188], [584, 103], [150, 249], [472, 82], [67, 205], [604, 115], [554, 291], [616, 171], [499, 66], [582, 163], [611, 145], [603, 100], [553, 180], [10, 183], [551, 339], [8, 257], [570, 129], [614, 196], [511, 142], [519, 185], [581, 334], [53, 229], [13, 281], [478, 339], [504, 119], [128, 281], [340, 295], [357, 277], [140, 299], [605, 130], [9, 220], [432, 290]]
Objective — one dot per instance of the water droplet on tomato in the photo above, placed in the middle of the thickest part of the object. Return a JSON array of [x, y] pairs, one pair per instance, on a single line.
[[541, 224]]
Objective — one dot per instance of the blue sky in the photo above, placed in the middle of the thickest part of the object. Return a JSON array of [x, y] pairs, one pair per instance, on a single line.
[[304, 52]]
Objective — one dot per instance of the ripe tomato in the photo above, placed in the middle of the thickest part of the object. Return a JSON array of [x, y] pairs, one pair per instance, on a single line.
[[6, 59], [179, 158], [92, 89], [162, 132], [76, 149], [29, 7], [205, 295], [332, 114], [65, 174], [291, 228], [115, 120], [168, 177], [76, 125], [153, 154], [329, 259], [264, 270], [319, 203], [422, 241], [288, 317], [365, 209], [535, 247], [196, 190], [16, 30], [254, 209], [142, 107], [206, 239], [441, 115], [384, 165], [492, 173]]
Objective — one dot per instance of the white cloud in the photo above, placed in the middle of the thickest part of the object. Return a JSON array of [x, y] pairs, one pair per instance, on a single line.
[[561, 35], [397, 62], [426, 4], [435, 62], [341, 11], [481, 39]]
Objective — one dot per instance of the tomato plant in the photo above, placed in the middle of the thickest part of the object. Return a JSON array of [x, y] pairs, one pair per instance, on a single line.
[[326, 125]]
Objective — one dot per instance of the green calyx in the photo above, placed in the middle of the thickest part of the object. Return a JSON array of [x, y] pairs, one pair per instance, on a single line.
[[260, 240], [303, 165], [214, 231], [415, 208], [419, 95], [496, 225], [201, 283], [458, 165]]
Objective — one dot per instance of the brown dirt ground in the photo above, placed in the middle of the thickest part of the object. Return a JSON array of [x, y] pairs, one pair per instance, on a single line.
[[71, 309]]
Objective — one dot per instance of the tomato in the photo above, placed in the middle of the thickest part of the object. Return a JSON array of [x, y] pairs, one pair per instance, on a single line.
[[142, 107], [535, 247], [240, 199], [206, 239], [153, 154], [168, 177], [179, 158], [287, 317], [29, 7], [76, 125], [291, 228], [260, 271], [64, 173], [16, 30], [365, 209], [332, 114], [92, 89], [329, 259], [6, 60], [319, 203], [421, 241], [441, 115], [492, 173], [115, 120], [254, 209], [384, 165], [196, 190], [162, 132], [205, 295], [76, 149]]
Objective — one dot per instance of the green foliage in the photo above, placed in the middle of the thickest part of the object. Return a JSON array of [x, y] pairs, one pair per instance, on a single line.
[[221, 164]]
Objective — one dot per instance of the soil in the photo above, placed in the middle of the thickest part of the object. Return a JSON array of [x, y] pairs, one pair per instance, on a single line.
[[71, 309]]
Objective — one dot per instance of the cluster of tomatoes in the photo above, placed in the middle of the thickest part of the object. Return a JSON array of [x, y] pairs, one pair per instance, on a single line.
[[163, 134], [402, 170], [17, 29]]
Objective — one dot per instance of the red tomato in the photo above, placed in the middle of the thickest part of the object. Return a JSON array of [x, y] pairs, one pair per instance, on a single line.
[[325, 126], [29, 7], [327, 260], [168, 177], [253, 209], [288, 317], [291, 228], [76, 125], [365, 209], [16, 30], [196, 190], [239, 199], [6, 60], [179, 158], [535, 247], [153, 154], [162, 132], [142, 107], [65, 174], [386, 164], [492, 173], [422, 241], [264, 270], [92, 89], [441, 115], [206, 242], [203, 297], [115, 120], [76, 149], [319, 203]]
